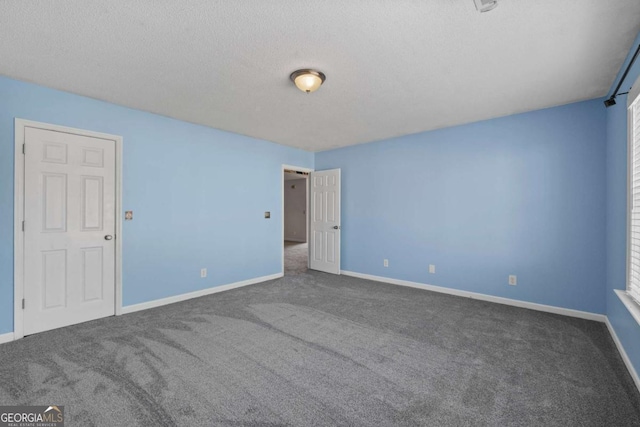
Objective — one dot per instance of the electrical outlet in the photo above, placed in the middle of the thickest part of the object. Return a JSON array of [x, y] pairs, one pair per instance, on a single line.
[[513, 280], [203, 272], [385, 263], [432, 268]]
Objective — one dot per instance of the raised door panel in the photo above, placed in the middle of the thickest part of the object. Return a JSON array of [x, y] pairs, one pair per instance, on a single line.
[[54, 202], [331, 206], [54, 279], [91, 201], [330, 247], [317, 245], [318, 210], [92, 274], [92, 157], [54, 152]]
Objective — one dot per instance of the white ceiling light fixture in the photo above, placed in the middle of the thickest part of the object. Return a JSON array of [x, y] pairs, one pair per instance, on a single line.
[[485, 5], [307, 80]]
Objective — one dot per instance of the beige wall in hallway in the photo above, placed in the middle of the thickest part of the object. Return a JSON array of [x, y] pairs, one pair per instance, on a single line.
[[295, 204]]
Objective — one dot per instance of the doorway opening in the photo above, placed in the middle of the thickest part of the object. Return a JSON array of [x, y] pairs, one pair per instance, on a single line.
[[295, 227]]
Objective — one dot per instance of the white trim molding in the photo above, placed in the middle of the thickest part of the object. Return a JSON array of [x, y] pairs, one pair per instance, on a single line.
[[183, 297], [623, 354], [632, 306], [18, 214], [7, 337], [483, 297]]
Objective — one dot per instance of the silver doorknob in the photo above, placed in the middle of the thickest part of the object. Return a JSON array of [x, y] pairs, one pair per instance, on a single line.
[[108, 237], [336, 227]]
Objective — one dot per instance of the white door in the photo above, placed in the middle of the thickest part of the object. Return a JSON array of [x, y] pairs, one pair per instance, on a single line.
[[69, 229], [324, 236]]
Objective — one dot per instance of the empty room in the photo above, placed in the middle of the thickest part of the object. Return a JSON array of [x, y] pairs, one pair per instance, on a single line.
[[338, 213]]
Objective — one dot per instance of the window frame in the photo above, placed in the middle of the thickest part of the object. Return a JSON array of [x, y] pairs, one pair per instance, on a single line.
[[633, 101]]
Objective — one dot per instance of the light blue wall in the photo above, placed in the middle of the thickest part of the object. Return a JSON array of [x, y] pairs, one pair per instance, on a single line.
[[522, 195], [626, 327], [198, 195]]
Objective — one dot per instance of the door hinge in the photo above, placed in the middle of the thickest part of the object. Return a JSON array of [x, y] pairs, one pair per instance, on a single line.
[[23, 303], [22, 225], [24, 148]]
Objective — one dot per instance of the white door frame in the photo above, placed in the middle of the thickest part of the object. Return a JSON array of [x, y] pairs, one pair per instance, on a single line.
[[298, 169], [18, 216]]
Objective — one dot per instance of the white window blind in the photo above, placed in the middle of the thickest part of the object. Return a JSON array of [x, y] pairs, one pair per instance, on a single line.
[[633, 287]]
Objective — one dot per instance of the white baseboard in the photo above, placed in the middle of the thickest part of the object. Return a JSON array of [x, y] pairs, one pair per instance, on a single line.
[[473, 295], [625, 357], [6, 338], [196, 294]]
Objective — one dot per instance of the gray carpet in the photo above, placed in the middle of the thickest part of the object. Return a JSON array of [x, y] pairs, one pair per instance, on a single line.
[[314, 350], [295, 257]]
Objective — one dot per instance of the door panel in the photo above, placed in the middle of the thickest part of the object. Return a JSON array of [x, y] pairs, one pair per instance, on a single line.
[[54, 203], [69, 270], [92, 273], [54, 153], [325, 222], [91, 202], [54, 278], [319, 204]]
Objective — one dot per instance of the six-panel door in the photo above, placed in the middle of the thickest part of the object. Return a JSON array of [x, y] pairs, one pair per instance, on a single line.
[[324, 233], [69, 249]]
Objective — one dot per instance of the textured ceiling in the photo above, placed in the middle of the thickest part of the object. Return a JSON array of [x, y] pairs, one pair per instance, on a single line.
[[393, 67]]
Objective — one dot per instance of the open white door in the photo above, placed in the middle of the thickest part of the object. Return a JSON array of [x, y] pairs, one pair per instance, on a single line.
[[324, 235]]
